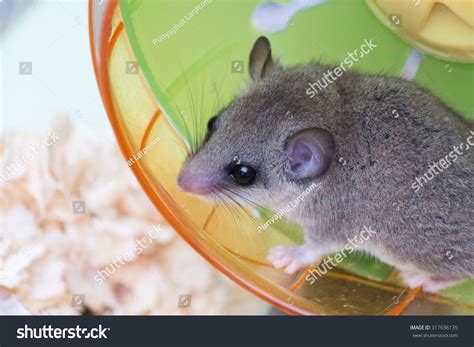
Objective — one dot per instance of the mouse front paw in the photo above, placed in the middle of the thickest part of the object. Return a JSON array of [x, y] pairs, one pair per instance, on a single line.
[[291, 258]]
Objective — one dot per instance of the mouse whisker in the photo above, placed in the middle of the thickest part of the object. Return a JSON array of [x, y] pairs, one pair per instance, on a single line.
[[241, 196], [187, 134], [227, 208], [226, 190], [200, 116], [192, 106]]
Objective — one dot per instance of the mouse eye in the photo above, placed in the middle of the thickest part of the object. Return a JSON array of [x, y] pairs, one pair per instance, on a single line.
[[243, 174], [211, 123]]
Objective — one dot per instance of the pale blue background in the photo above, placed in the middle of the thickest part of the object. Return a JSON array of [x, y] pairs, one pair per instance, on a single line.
[[53, 35]]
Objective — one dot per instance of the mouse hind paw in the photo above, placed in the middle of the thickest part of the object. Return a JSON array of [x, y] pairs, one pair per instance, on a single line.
[[436, 286], [427, 282]]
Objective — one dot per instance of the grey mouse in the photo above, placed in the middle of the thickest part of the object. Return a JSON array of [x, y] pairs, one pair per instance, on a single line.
[[377, 151]]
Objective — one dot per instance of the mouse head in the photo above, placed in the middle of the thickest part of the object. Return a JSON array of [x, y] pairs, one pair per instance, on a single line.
[[261, 148]]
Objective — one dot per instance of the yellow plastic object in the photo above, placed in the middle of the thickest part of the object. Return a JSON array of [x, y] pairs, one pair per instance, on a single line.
[[228, 242], [443, 28]]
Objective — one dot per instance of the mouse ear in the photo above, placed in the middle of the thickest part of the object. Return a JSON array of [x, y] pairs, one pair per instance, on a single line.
[[261, 61], [310, 153]]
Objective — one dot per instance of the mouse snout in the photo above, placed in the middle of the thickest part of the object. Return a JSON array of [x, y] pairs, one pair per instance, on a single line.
[[193, 181]]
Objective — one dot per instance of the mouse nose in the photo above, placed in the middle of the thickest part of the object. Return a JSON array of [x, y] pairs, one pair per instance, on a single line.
[[197, 183]]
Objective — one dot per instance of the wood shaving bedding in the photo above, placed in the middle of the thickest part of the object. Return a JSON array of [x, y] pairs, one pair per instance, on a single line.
[[50, 257]]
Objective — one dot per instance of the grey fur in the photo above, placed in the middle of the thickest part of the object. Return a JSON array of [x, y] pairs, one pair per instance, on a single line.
[[427, 233]]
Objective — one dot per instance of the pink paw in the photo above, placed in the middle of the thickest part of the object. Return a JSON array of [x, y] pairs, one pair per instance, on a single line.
[[436, 286], [413, 280], [292, 258]]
